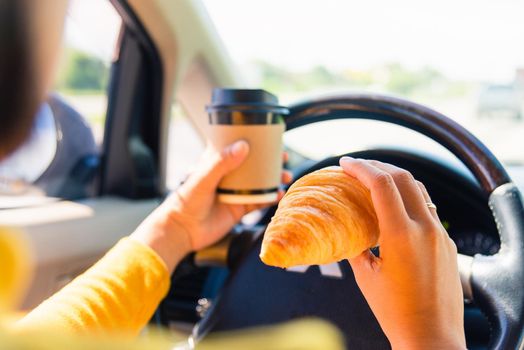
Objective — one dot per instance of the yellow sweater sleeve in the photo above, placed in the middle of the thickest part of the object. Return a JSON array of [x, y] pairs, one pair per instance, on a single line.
[[119, 294]]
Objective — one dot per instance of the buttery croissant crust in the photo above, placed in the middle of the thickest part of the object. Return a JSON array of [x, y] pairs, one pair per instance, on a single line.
[[325, 216]]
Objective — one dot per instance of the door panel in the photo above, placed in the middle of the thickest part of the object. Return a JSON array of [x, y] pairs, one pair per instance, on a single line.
[[68, 237]]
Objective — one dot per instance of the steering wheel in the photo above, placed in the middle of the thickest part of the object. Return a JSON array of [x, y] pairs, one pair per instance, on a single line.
[[256, 294]]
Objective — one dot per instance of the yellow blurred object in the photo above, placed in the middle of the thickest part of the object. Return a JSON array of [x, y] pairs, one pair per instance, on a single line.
[[44, 340], [304, 334], [113, 300], [15, 268]]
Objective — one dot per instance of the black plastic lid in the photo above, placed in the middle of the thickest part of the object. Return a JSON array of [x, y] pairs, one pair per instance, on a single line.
[[248, 100]]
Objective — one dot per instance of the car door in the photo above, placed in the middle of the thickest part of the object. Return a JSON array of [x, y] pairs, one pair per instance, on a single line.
[[129, 69], [91, 175]]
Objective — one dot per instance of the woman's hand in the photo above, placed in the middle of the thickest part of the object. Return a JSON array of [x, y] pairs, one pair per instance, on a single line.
[[413, 288], [191, 218]]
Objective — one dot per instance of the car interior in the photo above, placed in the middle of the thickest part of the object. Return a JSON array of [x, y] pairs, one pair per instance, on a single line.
[[100, 184]]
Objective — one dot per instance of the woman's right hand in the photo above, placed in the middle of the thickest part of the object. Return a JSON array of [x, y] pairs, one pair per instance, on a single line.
[[413, 288]]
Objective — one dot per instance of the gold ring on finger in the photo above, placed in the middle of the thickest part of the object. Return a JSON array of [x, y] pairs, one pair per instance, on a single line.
[[431, 205]]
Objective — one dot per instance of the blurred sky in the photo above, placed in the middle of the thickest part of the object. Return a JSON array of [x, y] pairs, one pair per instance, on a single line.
[[92, 26], [465, 39]]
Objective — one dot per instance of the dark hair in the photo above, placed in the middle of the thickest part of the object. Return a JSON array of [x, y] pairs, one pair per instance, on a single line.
[[18, 100]]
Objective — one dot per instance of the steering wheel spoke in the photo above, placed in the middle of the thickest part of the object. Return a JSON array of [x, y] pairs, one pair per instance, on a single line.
[[497, 281], [464, 265]]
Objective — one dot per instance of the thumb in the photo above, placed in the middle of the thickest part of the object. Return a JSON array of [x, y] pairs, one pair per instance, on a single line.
[[218, 164]]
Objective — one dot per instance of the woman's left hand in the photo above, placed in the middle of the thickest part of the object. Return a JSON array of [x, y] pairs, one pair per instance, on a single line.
[[191, 218]]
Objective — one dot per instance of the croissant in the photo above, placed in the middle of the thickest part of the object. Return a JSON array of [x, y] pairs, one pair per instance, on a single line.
[[325, 216]]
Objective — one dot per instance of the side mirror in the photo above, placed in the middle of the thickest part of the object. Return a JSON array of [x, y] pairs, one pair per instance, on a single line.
[[59, 160], [23, 167]]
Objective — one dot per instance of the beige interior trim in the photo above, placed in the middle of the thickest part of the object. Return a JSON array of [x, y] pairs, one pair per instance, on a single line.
[[67, 237], [65, 230]]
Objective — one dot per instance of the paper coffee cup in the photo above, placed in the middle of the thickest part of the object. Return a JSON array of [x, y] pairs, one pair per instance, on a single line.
[[256, 117]]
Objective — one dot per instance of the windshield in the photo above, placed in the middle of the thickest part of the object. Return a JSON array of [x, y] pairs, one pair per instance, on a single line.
[[462, 58]]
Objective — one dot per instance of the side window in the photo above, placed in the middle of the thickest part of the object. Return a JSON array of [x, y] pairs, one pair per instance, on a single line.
[[185, 140], [185, 146], [61, 157]]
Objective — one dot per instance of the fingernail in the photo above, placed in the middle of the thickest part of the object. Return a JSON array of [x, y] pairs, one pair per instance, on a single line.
[[346, 159], [239, 148]]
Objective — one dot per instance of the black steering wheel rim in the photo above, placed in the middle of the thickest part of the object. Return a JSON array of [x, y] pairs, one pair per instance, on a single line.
[[496, 282], [472, 152]]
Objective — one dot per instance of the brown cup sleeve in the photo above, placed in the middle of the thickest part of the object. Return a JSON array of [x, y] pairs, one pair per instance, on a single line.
[[263, 166]]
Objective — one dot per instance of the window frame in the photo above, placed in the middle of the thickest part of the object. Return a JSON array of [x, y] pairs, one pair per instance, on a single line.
[[131, 147]]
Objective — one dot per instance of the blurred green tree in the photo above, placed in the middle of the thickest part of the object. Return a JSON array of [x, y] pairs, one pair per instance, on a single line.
[[387, 78], [83, 71], [406, 82]]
